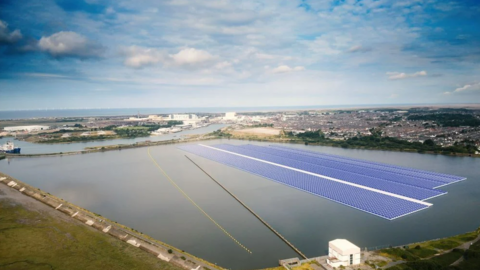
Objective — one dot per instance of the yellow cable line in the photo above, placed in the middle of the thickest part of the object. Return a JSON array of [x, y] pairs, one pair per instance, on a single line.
[[199, 208]]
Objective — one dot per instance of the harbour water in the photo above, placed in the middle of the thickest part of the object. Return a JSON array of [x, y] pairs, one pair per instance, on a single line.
[[24, 114], [127, 187], [42, 148]]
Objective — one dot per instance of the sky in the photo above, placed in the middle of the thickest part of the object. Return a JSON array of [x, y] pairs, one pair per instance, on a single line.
[[222, 53]]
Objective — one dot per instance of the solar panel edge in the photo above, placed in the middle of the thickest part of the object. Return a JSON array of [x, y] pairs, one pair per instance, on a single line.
[[330, 199], [447, 184], [418, 210], [438, 195], [448, 176]]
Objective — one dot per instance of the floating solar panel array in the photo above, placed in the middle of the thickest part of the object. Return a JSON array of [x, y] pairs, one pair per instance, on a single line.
[[380, 189]]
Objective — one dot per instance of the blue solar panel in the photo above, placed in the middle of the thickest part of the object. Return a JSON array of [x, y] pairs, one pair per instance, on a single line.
[[443, 178], [376, 203], [410, 191], [351, 167]]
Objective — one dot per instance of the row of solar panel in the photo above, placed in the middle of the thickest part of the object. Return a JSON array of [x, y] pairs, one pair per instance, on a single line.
[[376, 203], [410, 171], [365, 169], [410, 191]]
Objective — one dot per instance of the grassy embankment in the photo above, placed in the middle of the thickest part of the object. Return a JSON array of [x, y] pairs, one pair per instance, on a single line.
[[437, 254], [34, 240], [304, 266], [183, 254]]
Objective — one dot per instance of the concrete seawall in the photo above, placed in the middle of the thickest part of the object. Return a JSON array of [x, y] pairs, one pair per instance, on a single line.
[[156, 248]]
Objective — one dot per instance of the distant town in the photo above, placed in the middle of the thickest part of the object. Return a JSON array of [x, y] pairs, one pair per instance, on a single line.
[[442, 127]]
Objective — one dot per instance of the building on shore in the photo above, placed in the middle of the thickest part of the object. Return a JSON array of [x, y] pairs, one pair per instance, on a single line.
[[230, 116], [26, 128], [342, 252]]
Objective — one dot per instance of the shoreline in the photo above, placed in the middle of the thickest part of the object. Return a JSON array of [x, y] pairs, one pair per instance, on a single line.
[[120, 147], [124, 233]]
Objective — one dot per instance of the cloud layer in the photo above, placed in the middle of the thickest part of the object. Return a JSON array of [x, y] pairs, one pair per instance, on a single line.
[[400, 76], [70, 44], [7, 36], [287, 69], [182, 52]]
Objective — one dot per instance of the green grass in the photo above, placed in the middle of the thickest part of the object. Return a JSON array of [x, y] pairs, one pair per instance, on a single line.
[[444, 244], [448, 258], [465, 237], [398, 254], [441, 262], [422, 252], [32, 240], [472, 260]]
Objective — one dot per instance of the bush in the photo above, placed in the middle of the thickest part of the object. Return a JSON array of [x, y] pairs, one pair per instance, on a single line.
[[170, 251], [471, 254], [424, 265], [183, 258]]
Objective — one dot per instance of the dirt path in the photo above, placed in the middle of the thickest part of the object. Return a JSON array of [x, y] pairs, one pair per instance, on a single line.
[[465, 246]]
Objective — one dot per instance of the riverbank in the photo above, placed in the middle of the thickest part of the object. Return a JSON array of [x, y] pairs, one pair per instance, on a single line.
[[231, 134], [228, 133], [460, 251], [35, 236], [97, 228], [117, 147]]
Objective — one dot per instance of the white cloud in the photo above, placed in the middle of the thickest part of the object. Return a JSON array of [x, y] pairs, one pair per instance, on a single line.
[[286, 69], [70, 44], [138, 57], [400, 76], [191, 56], [7, 36], [475, 86]]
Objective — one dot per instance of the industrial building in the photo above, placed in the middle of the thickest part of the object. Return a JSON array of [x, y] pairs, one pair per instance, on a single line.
[[230, 116], [182, 117], [26, 128], [342, 252]]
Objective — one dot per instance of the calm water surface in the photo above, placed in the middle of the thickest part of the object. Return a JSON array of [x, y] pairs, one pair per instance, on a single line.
[[40, 148], [125, 186]]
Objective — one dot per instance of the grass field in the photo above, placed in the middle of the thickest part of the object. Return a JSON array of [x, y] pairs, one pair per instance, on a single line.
[[35, 240], [416, 252]]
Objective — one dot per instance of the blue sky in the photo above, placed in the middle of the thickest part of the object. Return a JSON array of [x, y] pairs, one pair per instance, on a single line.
[[182, 53]]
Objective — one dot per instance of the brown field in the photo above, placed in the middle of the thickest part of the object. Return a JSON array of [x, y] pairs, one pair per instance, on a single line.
[[259, 132]]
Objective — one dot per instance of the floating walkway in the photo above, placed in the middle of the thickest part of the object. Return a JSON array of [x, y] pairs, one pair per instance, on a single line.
[[383, 190]]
